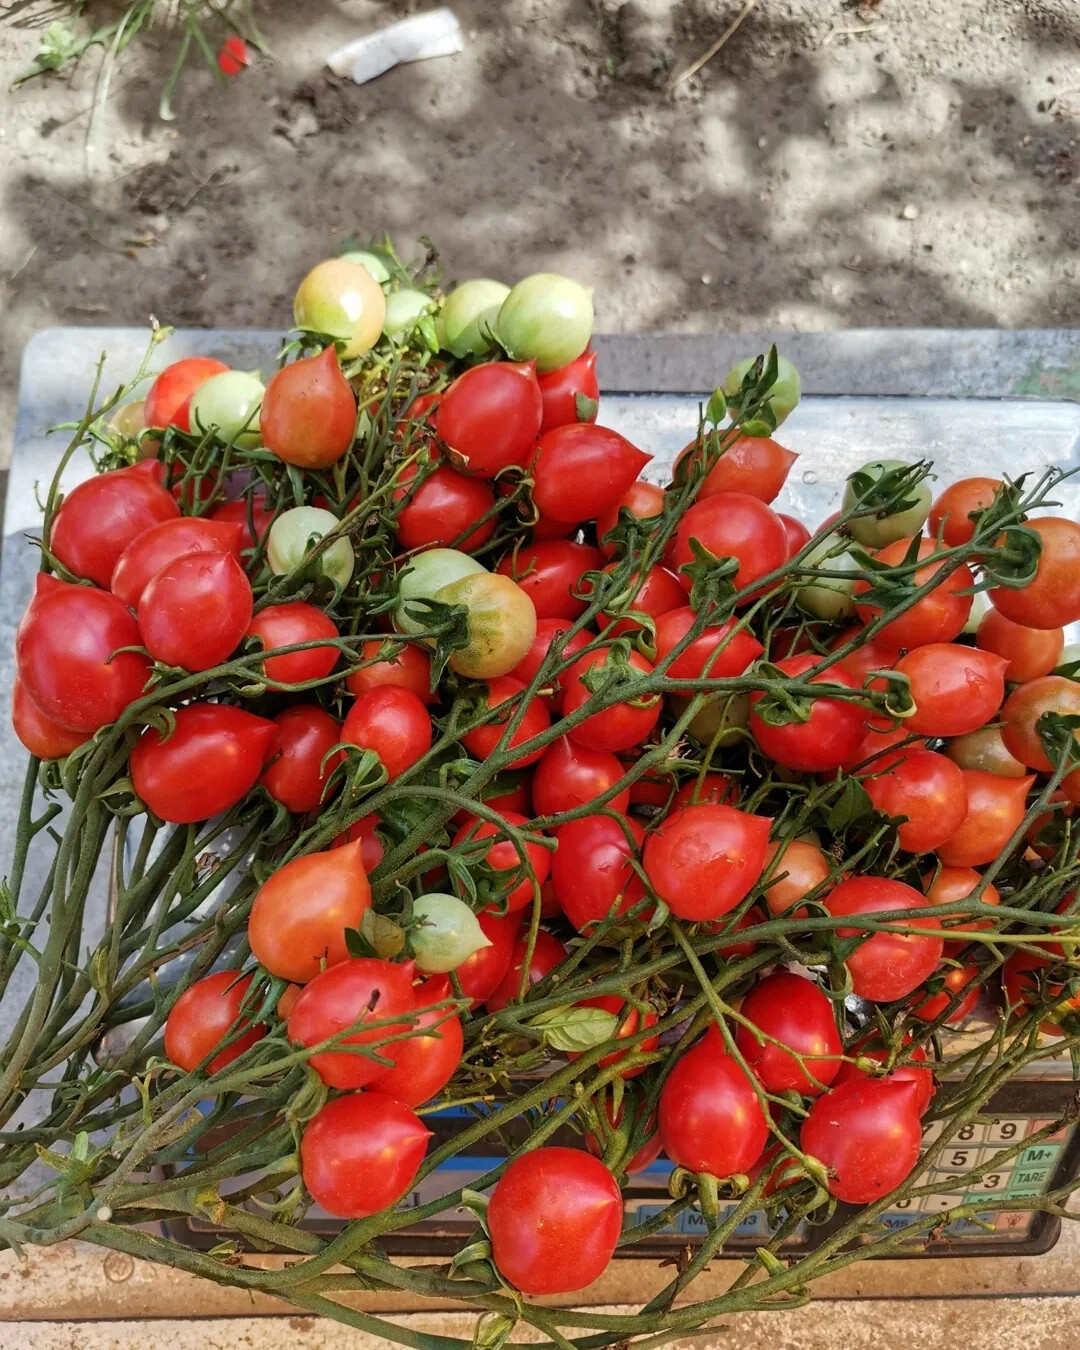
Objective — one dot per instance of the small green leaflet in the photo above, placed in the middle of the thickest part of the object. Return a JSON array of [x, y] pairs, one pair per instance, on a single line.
[[576, 1029]]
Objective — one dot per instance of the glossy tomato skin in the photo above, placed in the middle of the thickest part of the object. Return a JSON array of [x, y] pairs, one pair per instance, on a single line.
[[802, 868], [618, 727], [168, 399], [549, 571], [64, 655], [1052, 599], [923, 1078], [798, 536], [440, 511], [569, 775], [287, 625], [360, 1153], [211, 761], [482, 973], [887, 965], [733, 525], [629, 1024], [162, 544], [792, 1010], [938, 617], [720, 652], [555, 1217], [709, 1115], [360, 989], [482, 741], [830, 735], [995, 809], [963, 980], [202, 1017], [756, 465], [99, 518], [298, 921], [366, 830], [394, 723], [195, 612], [548, 631], [711, 789], [308, 413], [423, 1065], [581, 470], [547, 954], [1030, 652], [503, 856], [40, 734], [306, 735], [956, 689], [641, 499], [1023, 709], [867, 1134], [236, 513], [954, 883], [591, 870], [702, 860], [490, 416], [926, 788], [951, 510], [410, 668], [655, 594], [559, 390]]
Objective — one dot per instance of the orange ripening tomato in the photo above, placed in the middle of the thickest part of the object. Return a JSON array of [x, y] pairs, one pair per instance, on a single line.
[[952, 510], [308, 413], [1052, 598], [938, 617], [757, 465], [1031, 652]]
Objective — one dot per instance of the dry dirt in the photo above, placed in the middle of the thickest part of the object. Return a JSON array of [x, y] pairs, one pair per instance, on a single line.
[[908, 162]]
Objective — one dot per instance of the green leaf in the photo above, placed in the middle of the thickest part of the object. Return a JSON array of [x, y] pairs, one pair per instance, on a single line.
[[716, 408], [713, 578], [576, 1029], [356, 944], [58, 44], [462, 877], [492, 1330], [853, 804], [585, 407]]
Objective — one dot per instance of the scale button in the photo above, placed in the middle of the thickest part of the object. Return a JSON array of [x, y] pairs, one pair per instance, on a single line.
[[1008, 1130], [933, 1131], [971, 1134], [1039, 1155], [1025, 1177], [1012, 1221], [992, 1183], [896, 1222], [1058, 1137], [961, 1159], [937, 1204]]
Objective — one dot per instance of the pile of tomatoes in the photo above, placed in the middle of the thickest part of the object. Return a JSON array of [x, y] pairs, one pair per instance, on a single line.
[[552, 722]]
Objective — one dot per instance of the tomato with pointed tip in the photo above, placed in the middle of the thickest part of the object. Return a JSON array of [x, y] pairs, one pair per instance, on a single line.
[[196, 611], [503, 693], [287, 625], [796, 1046], [867, 1048], [503, 858], [297, 777], [938, 616], [721, 652], [98, 519], [833, 727], [1052, 598], [549, 572], [441, 509], [308, 413], [798, 536], [641, 499], [702, 860], [867, 1135], [732, 525], [360, 1153], [366, 830], [1031, 652], [423, 1065], [581, 470], [886, 965], [955, 689], [995, 809], [1023, 709], [40, 734], [951, 512], [548, 952], [570, 393], [393, 661], [620, 726], [709, 1114], [394, 723], [756, 465], [592, 874], [548, 633], [203, 1016], [569, 775], [482, 973], [927, 791], [162, 544], [168, 400], [490, 416]]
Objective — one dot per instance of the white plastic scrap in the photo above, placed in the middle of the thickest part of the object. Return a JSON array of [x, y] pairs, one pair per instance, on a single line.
[[436, 33]]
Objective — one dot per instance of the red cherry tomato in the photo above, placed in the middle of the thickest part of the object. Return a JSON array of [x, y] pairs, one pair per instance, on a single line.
[[490, 416], [547, 954], [713, 789], [954, 883], [938, 617], [297, 924], [658, 592], [886, 965], [236, 513], [547, 631], [581, 470], [561, 389], [629, 1025], [710, 1116], [591, 872], [162, 544], [482, 973], [719, 653], [646, 1155], [169, 397], [554, 1218], [912, 1072], [880, 749], [99, 518], [482, 741], [308, 414], [1027, 981], [793, 1011], [955, 689], [409, 668], [569, 775], [503, 857], [868, 1135], [40, 734], [1030, 652], [1023, 709], [733, 525], [306, 735], [392, 722], [366, 829], [64, 655], [360, 1153], [928, 790], [703, 860], [203, 1016], [833, 728], [196, 611], [441, 510], [965, 980], [954, 506], [618, 727], [756, 465], [1052, 599], [233, 56], [549, 571], [802, 868], [288, 625], [798, 536], [211, 761], [641, 499], [423, 1065], [995, 809]]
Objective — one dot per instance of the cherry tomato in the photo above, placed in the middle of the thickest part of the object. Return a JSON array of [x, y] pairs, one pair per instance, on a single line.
[[710, 790], [641, 499], [1026, 981], [756, 465], [196, 611], [211, 761], [618, 727], [832, 731], [1052, 599], [233, 56], [360, 1153], [237, 513], [791, 1010], [394, 723], [709, 1114], [482, 973], [995, 808], [954, 883], [868, 657], [503, 857], [658, 592], [733, 525], [911, 1072], [802, 868], [306, 735], [1031, 652], [64, 655], [591, 872], [409, 668], [881, 748], [423, 1065], [287, 625], [719, 653], [308, 413], [887, 965], [297, 924], [547, 631], [162, 544], [547, 954], [442, 509], [955, 689], [645, 1156], [501, 624], [366, 829], [926, 789], [1023, 709], [743, 946], [482, 741], [955, 505], [169, 397], [203, 1016], [490, 416], [702, 860], [569, 775], [955, 980], [581, 470], [984, 749], [561, 390], [99, 518], [549, 571], [798, 536], [40, 734], [938, 617], [868, 1136], [554, 1218]]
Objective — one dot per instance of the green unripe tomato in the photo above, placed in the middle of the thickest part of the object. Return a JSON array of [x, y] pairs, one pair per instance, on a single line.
[[728, 711], [468, 316], [343, 299], [294, 532], [502, 624], [447, 933], [428, 573], [403, 309], [786, 390], [830, 598], [229, 404], [980, 604], [546, 318], [876, 531], [371, 261]]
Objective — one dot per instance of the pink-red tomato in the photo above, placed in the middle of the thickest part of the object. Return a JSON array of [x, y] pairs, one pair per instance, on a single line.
[[926, 789], [886, 965], [40, 734], [168, 399], [1030, 652], [995, 810], [569, 775], [196, 611], [833, 728], [719, 653], [366, 830], [938, 616], [951, 512], [733, 525], [236, 512], [440, 511], [1052, 598], [162, 544], [955, 689], [620, 726], [867, 1134], [794, 1018], [548, 572], [628, 1025], [641, 499], [956, 980], [482, 973], [490, 416], [1023, 709], [503, 857], [923, 1078], [99, 518], [483, 740], [710, 790], [1026, 982], [581, 470], [561, 389], [591, 872], [756, 465], [308, 413], [954, 883], [288, 625], [203, 1016], [548, 952], [802, 868], [710, 1117], [409, 668], [296, 777], [360, 1153], [394, 723], [423, 1065], [798, 536], [702, 860], [547, 631], [655, 594]]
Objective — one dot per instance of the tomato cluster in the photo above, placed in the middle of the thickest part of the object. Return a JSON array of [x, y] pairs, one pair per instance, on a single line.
[[557, 708]]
